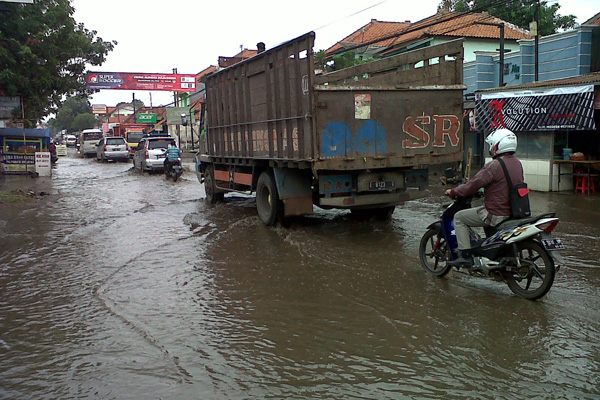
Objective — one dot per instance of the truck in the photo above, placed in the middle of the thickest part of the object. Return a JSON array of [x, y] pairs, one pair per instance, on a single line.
[[133, 135], [360, 138]]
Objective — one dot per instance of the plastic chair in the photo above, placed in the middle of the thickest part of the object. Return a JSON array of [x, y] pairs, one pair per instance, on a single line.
[[582, 182]]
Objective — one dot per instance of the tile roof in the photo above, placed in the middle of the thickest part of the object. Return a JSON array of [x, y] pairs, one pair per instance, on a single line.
[[371, 32], [446, 24], [205, 71], [245, 54], [595, 20]]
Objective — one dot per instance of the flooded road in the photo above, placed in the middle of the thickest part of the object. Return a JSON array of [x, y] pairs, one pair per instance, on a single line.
[[122, 285]]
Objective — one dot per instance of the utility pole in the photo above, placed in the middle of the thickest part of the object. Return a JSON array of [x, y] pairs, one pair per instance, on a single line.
[[537, 40], [176, 104], [502, 51]]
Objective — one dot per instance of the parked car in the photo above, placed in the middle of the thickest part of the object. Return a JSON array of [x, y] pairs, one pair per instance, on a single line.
[[71, 140], [151, 152], [88, 140], [112, 148]]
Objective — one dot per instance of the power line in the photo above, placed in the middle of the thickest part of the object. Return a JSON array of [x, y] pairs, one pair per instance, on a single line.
[[351, 15]]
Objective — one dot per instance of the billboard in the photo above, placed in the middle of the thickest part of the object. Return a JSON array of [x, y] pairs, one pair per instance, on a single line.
[[141, 81], [99, 108], [537, 110], [174, 115]]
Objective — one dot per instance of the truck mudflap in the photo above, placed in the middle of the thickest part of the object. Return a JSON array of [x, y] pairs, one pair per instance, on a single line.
[[294, 187]]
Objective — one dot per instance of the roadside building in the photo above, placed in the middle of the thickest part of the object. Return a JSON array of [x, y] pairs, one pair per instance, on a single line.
[[18, 147], [480, 31], [553, 120], [555, 114]]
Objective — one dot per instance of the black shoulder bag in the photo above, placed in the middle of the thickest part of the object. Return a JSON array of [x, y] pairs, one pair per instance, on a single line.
[[519, 196]]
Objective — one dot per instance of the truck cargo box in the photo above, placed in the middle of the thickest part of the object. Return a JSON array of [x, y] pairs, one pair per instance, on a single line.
[[352, 138]]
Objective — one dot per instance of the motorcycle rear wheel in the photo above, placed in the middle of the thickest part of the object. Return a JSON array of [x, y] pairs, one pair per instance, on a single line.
[[434, 253], [534, 278]]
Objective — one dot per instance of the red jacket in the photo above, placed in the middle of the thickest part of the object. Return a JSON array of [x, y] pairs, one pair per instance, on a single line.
[[491, 178]]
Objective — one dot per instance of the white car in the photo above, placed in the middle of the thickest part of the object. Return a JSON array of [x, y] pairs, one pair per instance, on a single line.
[[112, 148], [70, 140], [151, 153]]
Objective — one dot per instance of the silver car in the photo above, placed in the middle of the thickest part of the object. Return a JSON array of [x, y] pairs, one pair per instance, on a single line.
[[151, 153], [112, 148]]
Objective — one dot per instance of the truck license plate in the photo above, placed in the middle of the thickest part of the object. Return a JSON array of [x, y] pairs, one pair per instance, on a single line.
[[553, 244], [382, 185]]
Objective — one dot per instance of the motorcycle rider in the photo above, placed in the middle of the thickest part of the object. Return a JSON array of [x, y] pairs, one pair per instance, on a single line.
[[173, 154], [496, 207]]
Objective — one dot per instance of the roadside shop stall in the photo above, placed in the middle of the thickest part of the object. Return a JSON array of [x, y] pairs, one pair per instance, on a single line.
[[18, 148], [558, 127]]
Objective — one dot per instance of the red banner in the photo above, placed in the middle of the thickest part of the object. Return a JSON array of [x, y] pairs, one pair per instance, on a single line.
[[141, 81]]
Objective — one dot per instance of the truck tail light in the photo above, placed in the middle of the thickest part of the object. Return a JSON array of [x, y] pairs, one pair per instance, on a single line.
[[147, 155]]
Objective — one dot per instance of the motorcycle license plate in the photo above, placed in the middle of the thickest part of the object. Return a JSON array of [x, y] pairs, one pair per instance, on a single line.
[[553, 244]]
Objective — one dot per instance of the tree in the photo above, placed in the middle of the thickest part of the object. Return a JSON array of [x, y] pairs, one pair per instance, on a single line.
[[518, 12], [67, 113], [321, 61], [83, 121], [43, 55]]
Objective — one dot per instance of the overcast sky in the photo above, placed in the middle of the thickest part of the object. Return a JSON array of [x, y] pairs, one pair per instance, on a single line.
[[156, 36]]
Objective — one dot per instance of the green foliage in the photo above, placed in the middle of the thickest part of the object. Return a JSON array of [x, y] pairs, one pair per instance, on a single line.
[[68, 112], [347, 60], [83, 121], [43, 54], [321, 61], [518, 12]]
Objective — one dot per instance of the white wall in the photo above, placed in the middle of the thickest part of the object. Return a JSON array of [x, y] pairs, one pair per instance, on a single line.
[[537, 175]]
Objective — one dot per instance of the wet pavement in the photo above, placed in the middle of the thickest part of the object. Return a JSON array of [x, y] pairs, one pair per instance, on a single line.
[[123, 285]]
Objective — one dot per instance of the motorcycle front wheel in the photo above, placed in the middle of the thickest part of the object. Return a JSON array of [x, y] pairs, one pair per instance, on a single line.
[[434, 253], [534, 277]]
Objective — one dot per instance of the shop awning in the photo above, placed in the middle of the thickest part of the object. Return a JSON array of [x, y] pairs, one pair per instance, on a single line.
[[30, 133]]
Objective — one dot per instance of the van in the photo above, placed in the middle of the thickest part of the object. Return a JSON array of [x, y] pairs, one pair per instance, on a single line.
[[88, 139]]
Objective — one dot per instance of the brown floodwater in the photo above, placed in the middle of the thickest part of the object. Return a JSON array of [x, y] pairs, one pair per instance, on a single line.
[[122, 285]]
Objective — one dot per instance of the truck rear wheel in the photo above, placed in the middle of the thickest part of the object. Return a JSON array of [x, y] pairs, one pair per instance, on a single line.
[[267, 199], [210, 188]]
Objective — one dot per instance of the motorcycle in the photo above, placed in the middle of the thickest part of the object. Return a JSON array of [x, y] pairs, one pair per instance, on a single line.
[[520, 252], [173, 170]]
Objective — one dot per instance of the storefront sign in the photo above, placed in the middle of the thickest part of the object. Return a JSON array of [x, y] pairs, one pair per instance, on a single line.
[[99, 108], [43, 165], [146, 118], [17, 163], [133, 81], [537, 110]]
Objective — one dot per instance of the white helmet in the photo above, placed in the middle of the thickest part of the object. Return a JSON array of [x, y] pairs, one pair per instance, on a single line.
[[501, 141]]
